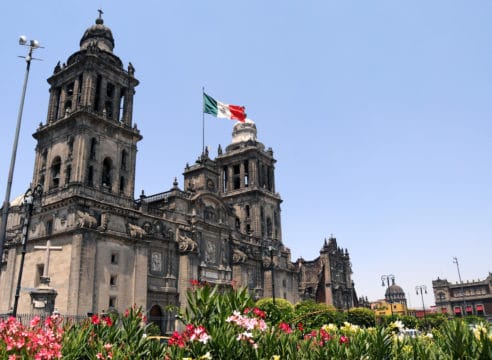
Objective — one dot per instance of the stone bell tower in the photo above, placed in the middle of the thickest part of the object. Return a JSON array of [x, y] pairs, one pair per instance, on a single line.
[[247, 182], [88, 144]]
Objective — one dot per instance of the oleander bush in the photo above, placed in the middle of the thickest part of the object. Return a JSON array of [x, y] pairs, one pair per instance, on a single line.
[[221, 324]]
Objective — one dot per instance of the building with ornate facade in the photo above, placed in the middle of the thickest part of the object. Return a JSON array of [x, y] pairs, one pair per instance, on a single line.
[[465, 298], [95, 247]]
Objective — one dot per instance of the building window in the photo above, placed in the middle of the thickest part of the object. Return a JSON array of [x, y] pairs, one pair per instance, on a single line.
[[109, 90], [238, 224], [122, 183], [112, 302], [114, 258], [225, 178], [108, 109], [236, 180], [124, 159], [479, 308], [106, 173], [112, 280], [247, 210], [284, 283], [92, 154], [98, 92], [70, 89], [39, 273], [49, 227], [90, 176], [55, 172], [44, 157], [246, 173]]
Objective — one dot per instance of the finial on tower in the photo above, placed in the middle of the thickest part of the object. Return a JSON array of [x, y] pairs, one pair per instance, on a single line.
[[100, 20]]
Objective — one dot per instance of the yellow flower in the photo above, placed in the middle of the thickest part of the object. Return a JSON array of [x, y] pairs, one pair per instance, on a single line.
[[276, 357], [479, 329], [329, 328], [407, 349], [206, 356]]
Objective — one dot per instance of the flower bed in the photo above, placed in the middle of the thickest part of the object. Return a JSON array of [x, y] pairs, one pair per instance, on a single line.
[[229, 325]]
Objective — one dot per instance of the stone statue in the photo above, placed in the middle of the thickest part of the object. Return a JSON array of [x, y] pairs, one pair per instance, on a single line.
[[136, 231], [85, 220]]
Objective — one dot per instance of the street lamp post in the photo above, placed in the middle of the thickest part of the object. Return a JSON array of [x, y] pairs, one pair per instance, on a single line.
[[422, 289], [455, 260], [33, 44], [272, 266], [29, 197], [385, 280]]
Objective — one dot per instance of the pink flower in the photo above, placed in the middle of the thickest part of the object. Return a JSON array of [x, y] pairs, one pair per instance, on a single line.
[[108, 347], [95, 319], [99, 355], [35, 321]]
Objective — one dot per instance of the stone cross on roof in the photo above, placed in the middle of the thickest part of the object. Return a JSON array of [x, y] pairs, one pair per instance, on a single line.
[[48, 248]]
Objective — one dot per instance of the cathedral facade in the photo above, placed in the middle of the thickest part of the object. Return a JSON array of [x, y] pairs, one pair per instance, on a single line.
[[98, 248]]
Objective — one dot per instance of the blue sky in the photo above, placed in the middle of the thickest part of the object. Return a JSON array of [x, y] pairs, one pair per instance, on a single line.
[[378, 113]]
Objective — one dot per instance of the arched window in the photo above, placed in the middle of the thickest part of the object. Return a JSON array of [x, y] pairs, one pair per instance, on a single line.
[[124, 159], [106, 173], [55, 172]]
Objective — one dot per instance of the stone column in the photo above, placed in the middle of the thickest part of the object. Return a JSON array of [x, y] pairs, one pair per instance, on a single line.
[[128, 106], [140, 271], [74, 277], [241, 175]]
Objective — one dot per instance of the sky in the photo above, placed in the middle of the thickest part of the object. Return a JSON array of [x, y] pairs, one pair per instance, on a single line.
[[378, 113]]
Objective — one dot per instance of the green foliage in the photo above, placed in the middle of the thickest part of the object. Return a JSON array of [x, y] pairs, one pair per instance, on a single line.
[[282, 311], [410, 322], [314, 315], [362, 317], [431, 321], [113, 336], [224, 325]]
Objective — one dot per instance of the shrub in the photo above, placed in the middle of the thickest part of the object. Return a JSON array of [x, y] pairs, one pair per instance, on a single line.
[[282, 311], [362, 317]]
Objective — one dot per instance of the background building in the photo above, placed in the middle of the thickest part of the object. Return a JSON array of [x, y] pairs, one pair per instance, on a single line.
[[100, 249], [470, 298]]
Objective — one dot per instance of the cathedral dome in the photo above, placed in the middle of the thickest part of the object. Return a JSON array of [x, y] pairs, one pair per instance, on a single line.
[[244, 131], [395, 293], [98, 34]]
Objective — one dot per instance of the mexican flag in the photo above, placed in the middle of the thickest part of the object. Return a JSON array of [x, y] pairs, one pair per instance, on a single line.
[[221, 110]]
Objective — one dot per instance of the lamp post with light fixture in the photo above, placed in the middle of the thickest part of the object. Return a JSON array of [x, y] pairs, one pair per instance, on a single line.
[[455, 260], [32, 44], [29, 197], [271, 249], [422, 289], [385, 280]]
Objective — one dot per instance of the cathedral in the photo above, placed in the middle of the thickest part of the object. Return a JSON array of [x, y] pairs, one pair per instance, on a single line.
[[91, 246]]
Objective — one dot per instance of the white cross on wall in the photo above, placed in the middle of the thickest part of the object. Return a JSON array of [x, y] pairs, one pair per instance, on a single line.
[[48, 248]]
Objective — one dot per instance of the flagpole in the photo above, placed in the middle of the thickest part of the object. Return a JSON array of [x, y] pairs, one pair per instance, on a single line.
[[203, 120]]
